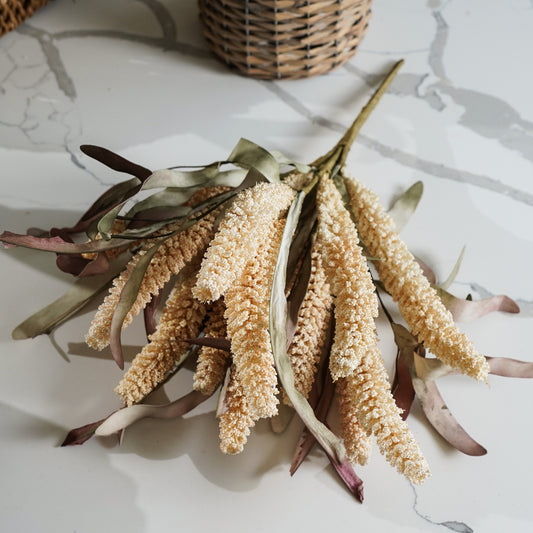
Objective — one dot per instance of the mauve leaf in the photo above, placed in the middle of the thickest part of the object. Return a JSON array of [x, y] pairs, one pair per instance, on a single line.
[[249, 155], [321, 406], [402, 386], [81, 434], [433, 405], [511, 368], [331, 444], [114, 161], [71, 302], [59, 245], [403, 208], [468, 310], [129, 415], [150, 315], [442, 420]]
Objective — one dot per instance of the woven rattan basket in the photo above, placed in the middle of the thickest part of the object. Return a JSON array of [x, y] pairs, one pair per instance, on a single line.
[[14, 12], [282, 39]]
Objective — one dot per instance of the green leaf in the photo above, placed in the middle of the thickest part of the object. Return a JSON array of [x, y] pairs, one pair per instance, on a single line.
[[282, 159], [81, 293], [405, 205], [455, 270], [249, 155]]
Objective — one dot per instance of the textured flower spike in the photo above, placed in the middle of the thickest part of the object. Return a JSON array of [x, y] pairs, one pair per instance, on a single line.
[[247, 316], [173, 254], [369, 393], [347, 273], [212, 362], [236, 420], [181, 318], [245, 227], [403, 278], [357, 443], [311, 329]]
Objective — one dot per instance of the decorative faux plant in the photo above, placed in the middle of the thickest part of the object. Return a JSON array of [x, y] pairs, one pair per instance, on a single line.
[[271, 282]]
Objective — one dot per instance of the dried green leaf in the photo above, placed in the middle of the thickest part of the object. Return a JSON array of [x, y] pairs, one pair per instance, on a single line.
[[282, 159], [54, 314], [249, 155], [455, 270], [127, 299], [403, 208], [430, 369]]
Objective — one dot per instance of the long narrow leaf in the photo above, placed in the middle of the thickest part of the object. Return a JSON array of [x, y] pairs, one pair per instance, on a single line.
[[129, 415], [71, 302], [510, 368], [115, 161], [331, 444]]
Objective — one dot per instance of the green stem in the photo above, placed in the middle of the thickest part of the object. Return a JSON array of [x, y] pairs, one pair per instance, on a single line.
[[338, 154]]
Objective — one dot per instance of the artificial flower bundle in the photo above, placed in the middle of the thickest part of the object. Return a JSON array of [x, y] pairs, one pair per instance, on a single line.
[[267, 281]]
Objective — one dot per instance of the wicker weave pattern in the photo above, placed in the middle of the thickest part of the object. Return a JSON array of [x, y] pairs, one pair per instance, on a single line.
[[274, 39], [14, 12]]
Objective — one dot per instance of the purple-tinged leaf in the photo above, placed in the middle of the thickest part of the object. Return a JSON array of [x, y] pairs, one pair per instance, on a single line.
[[321, 407], [468, 310], [442, 419], [150, 315], [115, 162], [347, 474], [402, 386], [510, 368], [82, 434], [433, 405], [212, 342], [59, 245], [129, 415]]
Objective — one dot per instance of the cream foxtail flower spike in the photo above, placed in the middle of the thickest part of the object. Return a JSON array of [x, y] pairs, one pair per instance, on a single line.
[[269, 273]]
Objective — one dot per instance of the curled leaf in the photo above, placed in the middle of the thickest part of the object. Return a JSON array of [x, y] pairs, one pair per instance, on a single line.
[[82, 434], [402, 386], [468, 310], [249, 155], [123, 418]]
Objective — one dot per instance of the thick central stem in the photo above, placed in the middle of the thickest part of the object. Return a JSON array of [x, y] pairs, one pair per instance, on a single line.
[[338, 154]]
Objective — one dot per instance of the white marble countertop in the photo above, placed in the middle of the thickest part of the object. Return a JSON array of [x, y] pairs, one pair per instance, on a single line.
[[135, 77]]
